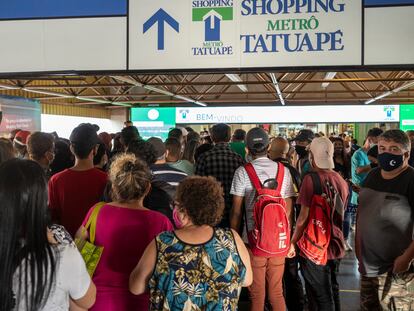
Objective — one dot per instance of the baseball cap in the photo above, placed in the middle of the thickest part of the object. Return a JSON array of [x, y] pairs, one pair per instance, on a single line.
[[322, 152], [305, 135], [85, 134], [257, 139], [21, 137], [158, 145]]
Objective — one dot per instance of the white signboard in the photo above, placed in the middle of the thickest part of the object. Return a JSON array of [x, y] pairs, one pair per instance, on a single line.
[[183, 34], [298, 114]]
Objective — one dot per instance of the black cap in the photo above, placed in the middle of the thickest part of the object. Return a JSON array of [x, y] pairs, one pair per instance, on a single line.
[[257, 139], [158, 145], [305, 135], [85, 134]]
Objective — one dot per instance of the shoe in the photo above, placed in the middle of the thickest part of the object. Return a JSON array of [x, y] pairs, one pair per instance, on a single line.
[[348, 247]]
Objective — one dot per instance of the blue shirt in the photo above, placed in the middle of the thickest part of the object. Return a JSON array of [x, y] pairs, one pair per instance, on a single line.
[[359, 159]]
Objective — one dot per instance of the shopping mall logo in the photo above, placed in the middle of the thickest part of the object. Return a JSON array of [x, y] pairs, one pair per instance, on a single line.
[[389, 110], [184, 113], [212, 13]]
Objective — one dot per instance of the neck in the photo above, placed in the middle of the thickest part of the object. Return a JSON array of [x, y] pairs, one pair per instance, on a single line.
[[136, 204], [394, 173], [172, 159], [161, 161], [83, 164]]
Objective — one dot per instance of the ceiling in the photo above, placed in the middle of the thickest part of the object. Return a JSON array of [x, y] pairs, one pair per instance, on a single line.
[[296, 88]]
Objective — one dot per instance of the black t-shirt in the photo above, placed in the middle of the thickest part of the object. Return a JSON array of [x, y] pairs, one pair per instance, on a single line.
[[403, 184]]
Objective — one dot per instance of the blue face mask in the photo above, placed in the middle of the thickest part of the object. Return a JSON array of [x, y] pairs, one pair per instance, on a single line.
[[389, 162]]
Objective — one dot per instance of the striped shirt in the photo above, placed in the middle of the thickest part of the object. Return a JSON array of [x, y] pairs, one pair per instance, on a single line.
[[242, 186], [170, 175]]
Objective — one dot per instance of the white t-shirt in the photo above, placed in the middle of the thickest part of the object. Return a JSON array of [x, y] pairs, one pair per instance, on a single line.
[[242, 186], [71, 280]]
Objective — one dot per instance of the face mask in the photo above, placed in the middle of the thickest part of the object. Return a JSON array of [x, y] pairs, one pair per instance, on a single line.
[[389, 162], [176, 217], [338, 150], [301, 151]]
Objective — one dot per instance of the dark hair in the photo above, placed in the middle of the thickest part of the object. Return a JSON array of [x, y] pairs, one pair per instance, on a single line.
[[175, 133], [143, 150], [24, 245], [129, 134], [239, 135], [373, 152], [81, 151], [190, 149], [99, 154], [189, 129], [220, 133], [6, 150], [374, 132], [193, 136], [201, 149], [397, 136], [38, 144], [202, 200], [63, 157], [344, 155], [173, 146], [260, 151], [130, 178]]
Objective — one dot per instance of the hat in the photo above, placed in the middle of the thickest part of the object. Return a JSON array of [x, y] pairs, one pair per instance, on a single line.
[[257, 139], [85, 134], [158, 145], [322, 152], [305, 135], [21, 137]]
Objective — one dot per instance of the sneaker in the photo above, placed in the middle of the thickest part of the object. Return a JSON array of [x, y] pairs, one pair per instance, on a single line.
[[348, 247]]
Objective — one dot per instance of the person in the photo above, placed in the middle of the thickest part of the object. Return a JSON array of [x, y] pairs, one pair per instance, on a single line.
[[178, 133], [267, 271], [100, 160], [221, 163], [160, 169], [63, 159], [372, 155], [20, 144], [41, 268], [237, 142], [173, 147], [13, 133], [321, 281], [41, 149], [73, 191], [293, 287], [200, 150], [106, 139], [190, 148], [341, 159], [128, 134], [302, 141], [6, 150], [128, 123], [124, 228], [199, 266], [384, 239], [410, 134]]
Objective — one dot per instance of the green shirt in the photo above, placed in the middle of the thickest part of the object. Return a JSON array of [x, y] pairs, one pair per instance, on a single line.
[[239, 148], [184, 166]]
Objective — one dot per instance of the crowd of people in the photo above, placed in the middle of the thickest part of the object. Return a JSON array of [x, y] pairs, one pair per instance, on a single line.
[[187, 222]]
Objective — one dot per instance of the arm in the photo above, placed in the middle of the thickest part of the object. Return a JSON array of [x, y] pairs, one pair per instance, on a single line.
[[403, 262], [301, 223], [363, 169], [53, 202], [85, 302], [236, 212], [139, 278], [245, 257], [289, 209]]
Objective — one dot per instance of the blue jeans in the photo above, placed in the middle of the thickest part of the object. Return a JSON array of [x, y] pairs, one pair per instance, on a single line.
[[348, 219]]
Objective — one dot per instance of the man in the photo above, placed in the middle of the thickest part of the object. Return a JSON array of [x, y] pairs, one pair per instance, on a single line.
[[295, 298], [302, 141], [267, 271], [321, 280], [74, 191], [384, 239], [180, 134], [161, 170], [128, 134], [220, 162], [41, 149], [237, 143], [411, 136], [174, 157], [20, 143], [128, 123]]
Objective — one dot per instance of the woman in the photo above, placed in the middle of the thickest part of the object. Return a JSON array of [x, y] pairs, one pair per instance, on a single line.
[[40, 266], [197, 267], [124, 228], [341, 158]]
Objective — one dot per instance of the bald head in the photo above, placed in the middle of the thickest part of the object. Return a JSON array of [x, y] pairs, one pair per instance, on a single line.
[[278, 148]]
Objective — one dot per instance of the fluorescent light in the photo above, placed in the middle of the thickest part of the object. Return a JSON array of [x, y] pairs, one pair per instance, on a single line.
[[278, 91], [236, 78], [403, 87], [9, 87], [388, 93], [27, 89], [328, 76]]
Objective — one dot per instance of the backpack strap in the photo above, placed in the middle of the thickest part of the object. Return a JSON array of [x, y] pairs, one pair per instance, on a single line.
[[317, 185], [280, 176], [253, 176]]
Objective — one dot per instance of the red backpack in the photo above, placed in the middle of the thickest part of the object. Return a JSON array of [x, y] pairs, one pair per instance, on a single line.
[[270, 236], [322, 239]]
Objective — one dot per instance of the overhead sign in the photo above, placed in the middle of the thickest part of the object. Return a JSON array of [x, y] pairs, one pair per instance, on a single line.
[[153, 122], [407, 117], [286, 114]]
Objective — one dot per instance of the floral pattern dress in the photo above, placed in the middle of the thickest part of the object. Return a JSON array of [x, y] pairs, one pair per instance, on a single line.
[[191, 277]]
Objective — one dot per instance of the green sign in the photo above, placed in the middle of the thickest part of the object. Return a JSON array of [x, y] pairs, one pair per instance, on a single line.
[[406, 117], [153, 122]]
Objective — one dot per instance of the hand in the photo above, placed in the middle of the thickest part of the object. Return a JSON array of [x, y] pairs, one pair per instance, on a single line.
[[401, 264], [292, 251]]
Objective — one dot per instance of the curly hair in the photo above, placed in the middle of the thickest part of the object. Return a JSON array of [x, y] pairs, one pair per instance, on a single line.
[[143, 150], [201, 198], [130, 178]]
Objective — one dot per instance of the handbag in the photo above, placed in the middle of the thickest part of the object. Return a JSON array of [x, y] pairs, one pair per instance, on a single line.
[[90, 252]]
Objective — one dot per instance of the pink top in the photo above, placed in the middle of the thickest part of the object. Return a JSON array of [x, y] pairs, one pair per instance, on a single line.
[[124, 233]]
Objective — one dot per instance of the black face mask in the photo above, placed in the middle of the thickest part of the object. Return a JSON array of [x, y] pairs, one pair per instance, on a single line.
[[301, 151], [389, 162]]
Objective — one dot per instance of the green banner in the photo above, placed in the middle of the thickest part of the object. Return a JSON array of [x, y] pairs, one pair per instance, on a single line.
[[225, 13]]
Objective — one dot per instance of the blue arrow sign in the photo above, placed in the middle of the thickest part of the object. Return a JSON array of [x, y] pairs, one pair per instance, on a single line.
[[161, 17]]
